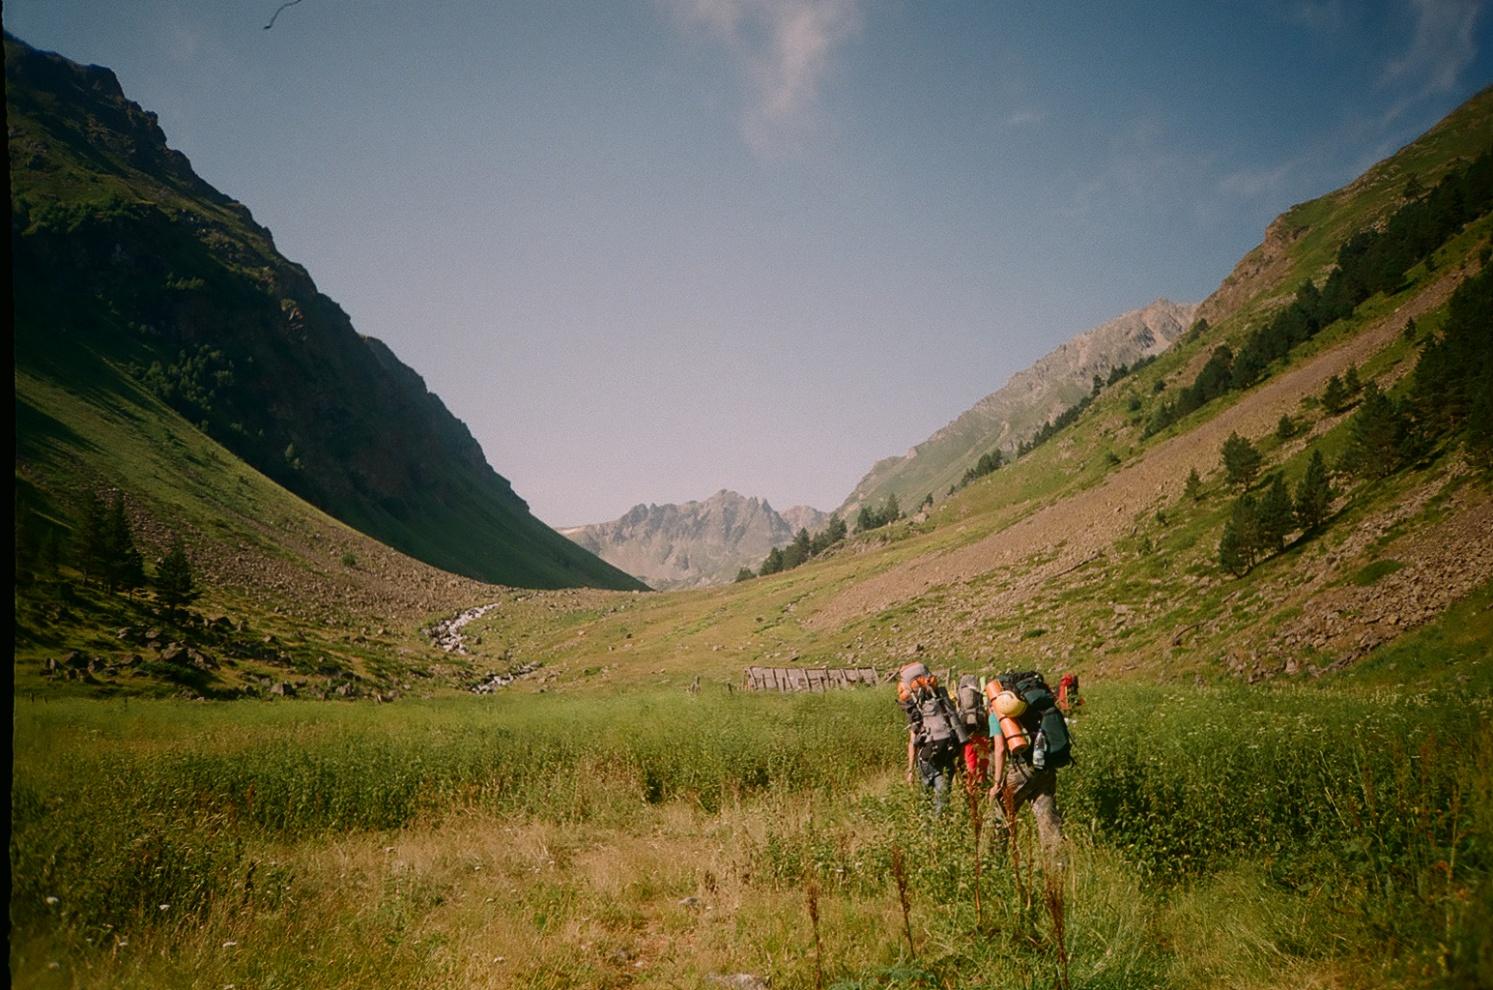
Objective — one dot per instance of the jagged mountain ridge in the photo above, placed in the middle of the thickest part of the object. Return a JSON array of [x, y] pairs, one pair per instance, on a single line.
[[695, 544], [1014, 412], [127, 263]]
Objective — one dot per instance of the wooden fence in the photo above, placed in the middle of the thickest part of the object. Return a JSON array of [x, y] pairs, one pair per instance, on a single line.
[[808, 678]]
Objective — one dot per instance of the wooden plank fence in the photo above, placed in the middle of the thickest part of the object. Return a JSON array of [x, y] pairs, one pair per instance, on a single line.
[[808, 678]]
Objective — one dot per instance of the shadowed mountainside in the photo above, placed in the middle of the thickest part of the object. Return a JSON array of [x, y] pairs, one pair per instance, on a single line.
[[130, 269]]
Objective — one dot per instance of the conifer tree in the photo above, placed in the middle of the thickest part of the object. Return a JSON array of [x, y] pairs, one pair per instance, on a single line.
[[1286, 428], [745, 574], [1241, 461], [125, 571], [1335, 395], [92, 537], [175, 587], [797, 552], [1239, 546], [1193, 489], [1377, 436], [1314, 495], [1276, 515], [836, 529]]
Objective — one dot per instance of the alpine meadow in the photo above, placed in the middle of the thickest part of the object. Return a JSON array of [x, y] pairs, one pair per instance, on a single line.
[[306, 694]]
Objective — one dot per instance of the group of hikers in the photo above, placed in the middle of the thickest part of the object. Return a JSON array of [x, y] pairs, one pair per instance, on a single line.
[[1007, 736]]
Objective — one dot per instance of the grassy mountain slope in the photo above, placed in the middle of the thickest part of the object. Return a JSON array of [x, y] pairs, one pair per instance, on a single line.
[[1017, 410], [130, 269]]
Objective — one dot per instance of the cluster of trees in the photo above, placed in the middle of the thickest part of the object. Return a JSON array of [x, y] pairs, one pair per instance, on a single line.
[[1046, 431], [193, 384], [987, 464], [1257, 528], [873, 518], [1371, 261], [104, 552], [1450, 397], [1340, 392], [1451, 390], [803, 548], [106, 545]]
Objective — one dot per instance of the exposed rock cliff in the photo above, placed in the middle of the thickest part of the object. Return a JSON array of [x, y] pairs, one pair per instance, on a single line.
[[695, 544]]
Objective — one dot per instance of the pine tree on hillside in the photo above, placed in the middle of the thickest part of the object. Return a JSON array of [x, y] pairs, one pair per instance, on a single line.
[[1241, 461], [1377, 436], [798, 551], [1276, 515], [175, 587], [772, 564], [92, 538], [745, 574], [1335, 396], [1452, 388], [1314, 495], [1239, 546], [125, 569], [1286, 428], [836, 529], [1193, 488], [891, 511]]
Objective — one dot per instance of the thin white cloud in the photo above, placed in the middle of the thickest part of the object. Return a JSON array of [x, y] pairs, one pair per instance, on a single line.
[[1443, 46], [1023, 118], [1253, 183], [783, 48]]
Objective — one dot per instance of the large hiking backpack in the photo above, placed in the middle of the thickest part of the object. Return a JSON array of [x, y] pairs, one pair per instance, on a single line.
[[941, 727], [969, 702], [1052, 747]]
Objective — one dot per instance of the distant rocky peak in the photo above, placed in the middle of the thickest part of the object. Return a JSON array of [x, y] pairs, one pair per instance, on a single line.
[[696, 543]]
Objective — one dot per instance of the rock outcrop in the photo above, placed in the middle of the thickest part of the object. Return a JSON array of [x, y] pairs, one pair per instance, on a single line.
[[696, 544]]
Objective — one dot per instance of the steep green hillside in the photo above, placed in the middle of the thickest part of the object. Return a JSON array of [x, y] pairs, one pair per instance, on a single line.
[[1019, 410], [133, 275]]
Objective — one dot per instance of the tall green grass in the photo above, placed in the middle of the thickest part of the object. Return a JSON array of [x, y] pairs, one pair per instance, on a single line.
[[1216, 837]]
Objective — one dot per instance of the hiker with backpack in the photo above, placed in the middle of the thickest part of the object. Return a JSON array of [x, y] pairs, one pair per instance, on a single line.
[[1032, 743], [969, 705], [935, 734]]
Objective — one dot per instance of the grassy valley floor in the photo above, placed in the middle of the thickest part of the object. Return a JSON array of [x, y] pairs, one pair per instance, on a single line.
[[1330, 835]]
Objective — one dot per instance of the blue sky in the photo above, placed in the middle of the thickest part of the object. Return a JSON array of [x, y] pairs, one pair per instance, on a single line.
[[648, 249]]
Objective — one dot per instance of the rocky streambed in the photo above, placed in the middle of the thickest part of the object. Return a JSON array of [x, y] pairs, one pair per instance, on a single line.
[[446, 634]]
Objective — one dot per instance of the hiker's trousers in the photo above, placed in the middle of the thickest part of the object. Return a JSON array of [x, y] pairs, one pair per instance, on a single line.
[[937, 772], [1039, 789]]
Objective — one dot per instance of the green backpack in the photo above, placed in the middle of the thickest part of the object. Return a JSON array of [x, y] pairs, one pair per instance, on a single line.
[[1052, 747]]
